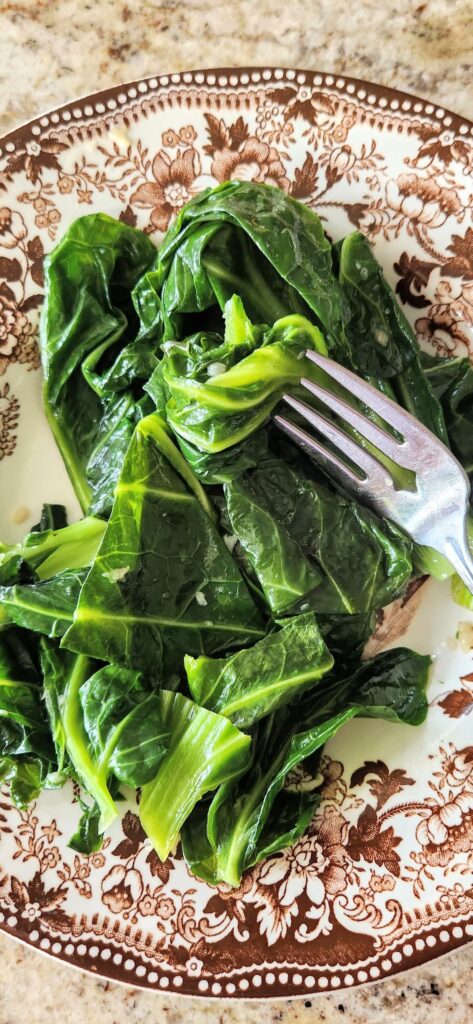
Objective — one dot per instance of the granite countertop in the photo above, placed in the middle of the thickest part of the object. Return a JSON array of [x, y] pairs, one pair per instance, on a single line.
[[54, 50]]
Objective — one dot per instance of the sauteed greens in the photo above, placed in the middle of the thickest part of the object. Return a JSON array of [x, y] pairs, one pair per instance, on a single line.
[[199, 633]]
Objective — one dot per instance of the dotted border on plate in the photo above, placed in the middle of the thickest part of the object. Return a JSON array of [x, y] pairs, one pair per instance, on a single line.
[[258, 982], [78, 117]]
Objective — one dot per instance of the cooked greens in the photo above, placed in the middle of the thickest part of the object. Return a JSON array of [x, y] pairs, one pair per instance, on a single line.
[[213, 407], [163, 582], [26, 747], [253, 816], [313, 548], [87, 319], [46, 606], [199, 634], [205, 751], [253, 241], [251, 684]]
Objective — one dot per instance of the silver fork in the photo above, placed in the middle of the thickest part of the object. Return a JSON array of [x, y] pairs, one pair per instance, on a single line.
[[434, 514]]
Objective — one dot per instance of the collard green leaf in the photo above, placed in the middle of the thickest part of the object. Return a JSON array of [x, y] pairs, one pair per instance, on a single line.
[[86, 319], [253, 816], [392, 686], [23, 723], [68, 674], [460, 593], [53, 517], [88, 837], [54, 671], [123, 721], [235, 264], [26, 751], [163, 583], [452, 383], [25, 776], [215, 411], [240, 810], [346, 635], [382, 342], [414, 393], [381, 338], [106, 721], [312, 548], [105, 461], [53, 551], [288, 236], [44, 607], [205, 751], [221, 467], [251, 684]]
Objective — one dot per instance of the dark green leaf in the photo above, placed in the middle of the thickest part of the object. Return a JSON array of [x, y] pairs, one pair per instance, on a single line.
[[382, 341], [50, 550], [25, 776], [26, 751], [86, 318], [45, 607], [289, 238], [381, 338], [123, 722], [111, 444], [313, 548], [452, 383], [213, 408], [88, 838], [164, 582]]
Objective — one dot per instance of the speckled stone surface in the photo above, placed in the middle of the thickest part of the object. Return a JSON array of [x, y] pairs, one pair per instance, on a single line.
[[53, 50], [35, 990]]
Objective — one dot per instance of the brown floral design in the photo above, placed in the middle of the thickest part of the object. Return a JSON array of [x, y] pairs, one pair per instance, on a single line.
[[35, 158], [170, 188], [382, 879], [237, 154], [13, 330]]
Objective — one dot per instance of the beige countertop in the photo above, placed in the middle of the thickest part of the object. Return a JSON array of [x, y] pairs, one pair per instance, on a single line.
[[53, 50]]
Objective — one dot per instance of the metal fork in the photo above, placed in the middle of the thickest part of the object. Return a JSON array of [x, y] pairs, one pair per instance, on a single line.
[[434, 514]]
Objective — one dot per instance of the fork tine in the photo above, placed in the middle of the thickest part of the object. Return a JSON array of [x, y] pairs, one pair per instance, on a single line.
[[379, 437], [393, 414], [375, 472], [333, 465]]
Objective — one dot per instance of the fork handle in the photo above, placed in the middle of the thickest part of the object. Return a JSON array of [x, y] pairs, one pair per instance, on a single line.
[[458, 553]]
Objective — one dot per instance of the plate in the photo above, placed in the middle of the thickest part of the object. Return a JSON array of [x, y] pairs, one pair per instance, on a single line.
[[383, 880]]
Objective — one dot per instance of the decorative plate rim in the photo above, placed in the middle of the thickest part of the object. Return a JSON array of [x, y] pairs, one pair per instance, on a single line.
[[346, 85], [78, 118], [242, 997]]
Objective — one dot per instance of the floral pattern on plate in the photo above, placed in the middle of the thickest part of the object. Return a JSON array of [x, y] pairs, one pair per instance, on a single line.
[[382, 880]]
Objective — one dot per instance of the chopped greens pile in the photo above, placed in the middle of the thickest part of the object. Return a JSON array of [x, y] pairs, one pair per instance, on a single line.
[[199, 633]]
